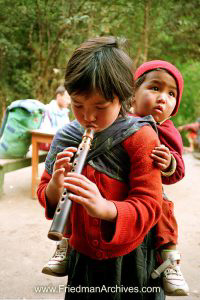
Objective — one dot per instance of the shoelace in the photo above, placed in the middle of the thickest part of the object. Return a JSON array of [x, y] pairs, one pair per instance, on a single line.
[[60, 253], [172, 271]]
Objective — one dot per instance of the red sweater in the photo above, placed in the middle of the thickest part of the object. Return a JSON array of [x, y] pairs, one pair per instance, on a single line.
[[171, 138], [138, 204]]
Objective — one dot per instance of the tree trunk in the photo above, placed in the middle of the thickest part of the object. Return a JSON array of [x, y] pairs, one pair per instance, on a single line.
[[146, 29]]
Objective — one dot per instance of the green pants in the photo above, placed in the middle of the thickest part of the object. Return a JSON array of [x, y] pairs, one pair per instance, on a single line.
[[122, 278]]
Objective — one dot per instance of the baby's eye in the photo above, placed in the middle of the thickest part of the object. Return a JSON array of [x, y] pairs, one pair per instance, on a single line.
[[154, 88], [172, 94]]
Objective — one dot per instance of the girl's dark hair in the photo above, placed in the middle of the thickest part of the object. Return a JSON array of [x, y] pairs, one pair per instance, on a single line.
[[100, 65]]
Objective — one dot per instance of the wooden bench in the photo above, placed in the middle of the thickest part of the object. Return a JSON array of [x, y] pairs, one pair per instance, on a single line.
[[9, 165]]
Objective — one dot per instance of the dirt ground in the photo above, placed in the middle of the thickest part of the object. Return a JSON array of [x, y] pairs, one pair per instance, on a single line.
[[25, 247]]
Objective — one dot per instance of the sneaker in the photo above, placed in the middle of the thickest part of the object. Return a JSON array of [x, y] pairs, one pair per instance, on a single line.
[[57, 265], [174, 283]]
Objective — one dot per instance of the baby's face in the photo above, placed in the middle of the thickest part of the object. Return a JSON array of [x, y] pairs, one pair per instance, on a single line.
[[156, 96]]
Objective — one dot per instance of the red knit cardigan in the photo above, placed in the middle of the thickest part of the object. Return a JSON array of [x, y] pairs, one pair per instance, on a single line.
[[138, 203]]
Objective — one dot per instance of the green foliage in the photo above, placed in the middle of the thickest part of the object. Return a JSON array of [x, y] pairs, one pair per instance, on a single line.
[[37, 38], [190, 105]]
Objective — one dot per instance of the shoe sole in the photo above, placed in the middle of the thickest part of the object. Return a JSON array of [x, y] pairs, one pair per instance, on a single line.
[[177, 292], [48, 271]]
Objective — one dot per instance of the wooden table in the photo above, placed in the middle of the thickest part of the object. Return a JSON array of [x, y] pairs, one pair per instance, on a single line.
[[38, 136]]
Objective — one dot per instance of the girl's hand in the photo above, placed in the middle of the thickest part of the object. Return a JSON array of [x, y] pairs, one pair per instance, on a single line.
[[62, 166], [86, 193], [162, 157]]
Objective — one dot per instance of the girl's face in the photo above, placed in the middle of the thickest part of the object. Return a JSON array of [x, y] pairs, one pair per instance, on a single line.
[[156, 96], [95, 111]]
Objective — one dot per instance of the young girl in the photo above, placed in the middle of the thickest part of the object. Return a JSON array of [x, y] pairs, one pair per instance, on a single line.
[[158, 91], [117, 198]]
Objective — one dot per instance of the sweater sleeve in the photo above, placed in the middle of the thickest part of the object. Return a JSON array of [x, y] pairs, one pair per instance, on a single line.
[[171, 138], [49, 213], [41, 193], [141, 210]]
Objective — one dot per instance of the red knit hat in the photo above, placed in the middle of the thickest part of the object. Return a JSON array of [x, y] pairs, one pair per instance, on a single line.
[[154, 64]]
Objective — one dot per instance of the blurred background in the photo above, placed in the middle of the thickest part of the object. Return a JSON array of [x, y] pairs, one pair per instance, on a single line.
[[38, 36]]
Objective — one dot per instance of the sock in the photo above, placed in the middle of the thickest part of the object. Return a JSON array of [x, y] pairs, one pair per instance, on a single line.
[[165, 253]]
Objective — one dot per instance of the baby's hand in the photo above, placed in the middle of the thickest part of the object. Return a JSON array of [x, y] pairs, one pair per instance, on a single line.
[[62, 166], [162, 157]]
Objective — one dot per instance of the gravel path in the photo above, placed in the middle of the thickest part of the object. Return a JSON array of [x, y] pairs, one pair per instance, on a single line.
[[25, 247]]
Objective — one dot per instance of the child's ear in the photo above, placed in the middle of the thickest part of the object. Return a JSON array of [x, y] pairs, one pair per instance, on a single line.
[[133, 101], [132, 104]]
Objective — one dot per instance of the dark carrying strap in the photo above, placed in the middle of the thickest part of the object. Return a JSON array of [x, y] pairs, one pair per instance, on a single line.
[[109, 156], [106, 154], [114, 163]]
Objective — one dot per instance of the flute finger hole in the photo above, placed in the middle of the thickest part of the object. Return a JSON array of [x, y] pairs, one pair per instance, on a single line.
[[62, 199]]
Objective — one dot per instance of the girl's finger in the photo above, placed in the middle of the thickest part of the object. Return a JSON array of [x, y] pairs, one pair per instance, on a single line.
[[78, 199], [59, 171], [64, 154], [60, 162], [72, 149], [77, 190], [79, 176], [77, 182]]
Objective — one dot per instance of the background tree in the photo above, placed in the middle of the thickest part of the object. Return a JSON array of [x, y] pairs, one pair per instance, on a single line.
[[38, 36]]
